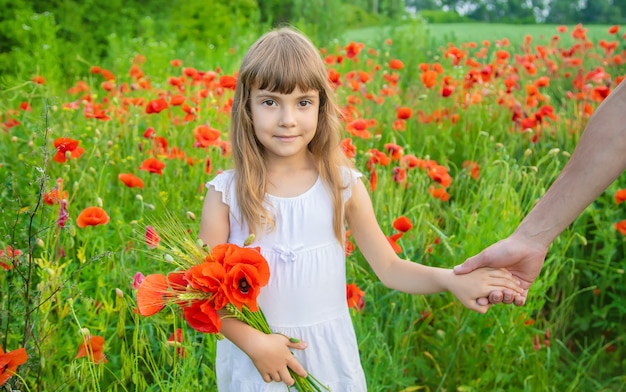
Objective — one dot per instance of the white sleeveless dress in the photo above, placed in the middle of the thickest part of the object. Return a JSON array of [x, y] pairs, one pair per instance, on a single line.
[[306, 294]]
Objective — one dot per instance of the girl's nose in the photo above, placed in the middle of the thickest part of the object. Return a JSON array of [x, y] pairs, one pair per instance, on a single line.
[[287, 118]]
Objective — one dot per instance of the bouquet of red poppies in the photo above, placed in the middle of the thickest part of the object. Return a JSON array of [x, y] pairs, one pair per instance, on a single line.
[[208, 284]]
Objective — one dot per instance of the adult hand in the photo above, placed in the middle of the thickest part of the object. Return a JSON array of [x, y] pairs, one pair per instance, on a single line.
[[521, 256], [478, 284]]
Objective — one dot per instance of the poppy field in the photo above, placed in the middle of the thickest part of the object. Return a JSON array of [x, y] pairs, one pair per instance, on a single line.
[[456, 143]]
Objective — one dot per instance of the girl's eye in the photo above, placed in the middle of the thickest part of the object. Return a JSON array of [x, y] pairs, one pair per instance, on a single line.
[[269, 102], [304, 103]]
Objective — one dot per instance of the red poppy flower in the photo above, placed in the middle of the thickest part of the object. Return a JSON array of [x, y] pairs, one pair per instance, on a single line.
[[152, 165], [206, 136], [92, 216], [355, 296], [404, 113], [620, 196], [411, 161], [39, 79], [395, 151], [429, 78], [149, 133], [151, 237], [138, 279], [621, 226], [473, 168], [353, 49], [349, 245], [64, 146], [358, 128], [8, 257], [151, 294], [207, 277], [130, 180], [402, 224], [396, 64], [440, 174], [176, 339], [202, 316], [92, 347], [9, 363], [53, 197], [243, 284], [177, 100], [393, 241], [246, 272], [399, 174], [439, 193], [156, 106], [228, 81], [348, 148], [399, 125]]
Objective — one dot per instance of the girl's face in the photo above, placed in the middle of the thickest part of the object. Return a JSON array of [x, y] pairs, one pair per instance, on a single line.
[[284, 123]]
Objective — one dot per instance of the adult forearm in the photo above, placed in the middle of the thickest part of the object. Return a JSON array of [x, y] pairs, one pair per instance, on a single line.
[[598, 159]]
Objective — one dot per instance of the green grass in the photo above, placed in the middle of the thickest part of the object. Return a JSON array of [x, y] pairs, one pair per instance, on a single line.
[[442, 33]]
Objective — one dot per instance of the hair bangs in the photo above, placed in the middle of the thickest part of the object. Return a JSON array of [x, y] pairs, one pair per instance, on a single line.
[[283, 63]]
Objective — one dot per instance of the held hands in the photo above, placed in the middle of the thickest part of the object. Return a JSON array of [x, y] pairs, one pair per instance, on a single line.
[[271, 354], [479, 283], [519, 255]]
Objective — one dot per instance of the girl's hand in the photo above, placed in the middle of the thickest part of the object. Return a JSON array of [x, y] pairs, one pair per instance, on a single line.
[[271, 354], [479, 283]]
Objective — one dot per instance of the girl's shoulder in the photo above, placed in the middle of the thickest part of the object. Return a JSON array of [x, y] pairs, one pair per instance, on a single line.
[[349, 177], [223, 182], [221, 178]]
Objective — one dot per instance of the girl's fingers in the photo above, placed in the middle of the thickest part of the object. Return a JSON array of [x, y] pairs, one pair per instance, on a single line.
[[294, 365], [286, 377]]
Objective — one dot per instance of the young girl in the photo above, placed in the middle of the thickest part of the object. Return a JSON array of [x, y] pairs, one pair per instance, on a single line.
[[293, 188]]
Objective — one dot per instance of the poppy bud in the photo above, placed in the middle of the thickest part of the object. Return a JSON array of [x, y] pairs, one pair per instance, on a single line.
[[99, 202], [249, 240], [119, 293], [554, 151], [139, 197], [84, 332], [191, 215], [528, 152], [168, 258]]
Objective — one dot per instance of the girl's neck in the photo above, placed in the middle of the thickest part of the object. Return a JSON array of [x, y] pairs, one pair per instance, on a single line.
[[289, 178]]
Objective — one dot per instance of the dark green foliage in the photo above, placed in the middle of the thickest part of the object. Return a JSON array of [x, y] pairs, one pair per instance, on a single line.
[[436, 16]]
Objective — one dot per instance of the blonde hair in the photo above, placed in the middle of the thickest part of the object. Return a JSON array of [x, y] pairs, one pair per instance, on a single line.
[[280, 61]]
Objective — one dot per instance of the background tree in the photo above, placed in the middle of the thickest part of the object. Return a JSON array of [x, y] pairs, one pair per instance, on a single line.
[[600, 11]]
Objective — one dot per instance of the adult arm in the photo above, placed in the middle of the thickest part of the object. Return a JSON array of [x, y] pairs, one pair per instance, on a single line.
[[598, 159]]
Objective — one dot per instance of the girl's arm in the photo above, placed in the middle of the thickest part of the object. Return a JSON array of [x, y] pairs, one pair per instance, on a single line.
[[270, 353], [415, 278]]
